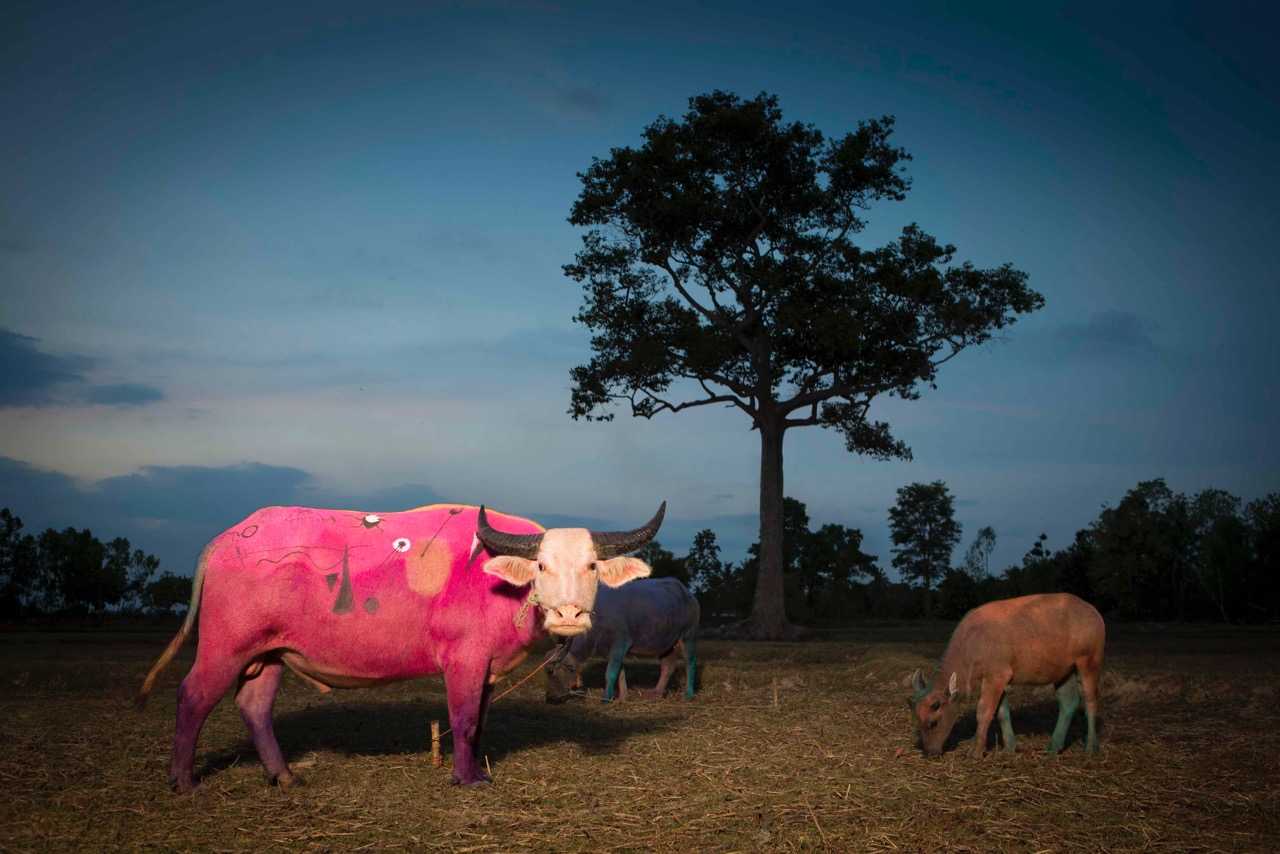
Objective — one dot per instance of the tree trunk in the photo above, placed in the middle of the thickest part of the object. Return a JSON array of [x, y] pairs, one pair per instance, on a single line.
[[768, 619]]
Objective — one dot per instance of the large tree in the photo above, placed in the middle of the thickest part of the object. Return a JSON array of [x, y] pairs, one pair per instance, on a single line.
[[924, 531], [719, 268]]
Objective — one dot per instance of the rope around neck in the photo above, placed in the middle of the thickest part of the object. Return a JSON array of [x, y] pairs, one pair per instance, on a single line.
[[529, 602]]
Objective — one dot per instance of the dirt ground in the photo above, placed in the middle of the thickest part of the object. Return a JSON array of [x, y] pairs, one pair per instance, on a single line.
[[788, 747]]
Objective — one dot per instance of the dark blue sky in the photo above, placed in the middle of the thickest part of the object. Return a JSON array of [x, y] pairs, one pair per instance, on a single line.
[[275, 253]]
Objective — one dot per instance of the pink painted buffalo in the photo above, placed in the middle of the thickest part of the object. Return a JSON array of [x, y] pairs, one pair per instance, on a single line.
[[347, 599]]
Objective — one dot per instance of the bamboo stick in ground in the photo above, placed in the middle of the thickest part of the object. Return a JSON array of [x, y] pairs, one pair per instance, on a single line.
[[436, 759]]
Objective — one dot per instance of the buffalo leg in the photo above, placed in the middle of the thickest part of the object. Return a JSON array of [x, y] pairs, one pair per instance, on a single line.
[[465, 686], [1068, 701], [988, 701], [255, 697], [691, 666], [1089, 670], [667, 665], [199, 692], [616, 655], [1006, 725], [485, 699]]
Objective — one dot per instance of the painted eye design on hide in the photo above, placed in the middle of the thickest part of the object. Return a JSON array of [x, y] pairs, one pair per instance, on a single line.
[[401, 545], [371, 519]]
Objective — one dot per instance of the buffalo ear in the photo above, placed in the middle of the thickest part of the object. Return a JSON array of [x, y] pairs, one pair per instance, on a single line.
[[511, 569], [619, 570], [952, 689], [918, 688]]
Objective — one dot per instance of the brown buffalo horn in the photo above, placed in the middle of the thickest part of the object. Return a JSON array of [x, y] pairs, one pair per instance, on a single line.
[[502, 543], [613, 543]]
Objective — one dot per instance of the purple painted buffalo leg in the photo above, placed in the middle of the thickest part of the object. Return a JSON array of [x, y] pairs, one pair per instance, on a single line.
[[204, 686], [484, 712], [255, 698], [467, 686]]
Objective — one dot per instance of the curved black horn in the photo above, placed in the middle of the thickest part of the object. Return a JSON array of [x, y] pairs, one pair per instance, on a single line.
[[613, 543], [502, 543]]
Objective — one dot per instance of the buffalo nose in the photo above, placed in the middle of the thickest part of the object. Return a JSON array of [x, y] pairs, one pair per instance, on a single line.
[[568, 613]]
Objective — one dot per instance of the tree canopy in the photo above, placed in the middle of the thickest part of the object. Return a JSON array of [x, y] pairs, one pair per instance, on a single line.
[[924, 531], [719, 268]]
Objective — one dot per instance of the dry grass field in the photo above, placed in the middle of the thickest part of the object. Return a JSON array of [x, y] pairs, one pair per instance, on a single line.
[[1190, 757]]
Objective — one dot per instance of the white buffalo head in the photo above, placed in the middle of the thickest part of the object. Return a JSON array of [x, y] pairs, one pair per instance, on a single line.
[[564, 566]]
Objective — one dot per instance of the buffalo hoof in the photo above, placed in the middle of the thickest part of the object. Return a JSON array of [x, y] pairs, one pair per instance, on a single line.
[[480, 778], [182, 785], [288, 780]]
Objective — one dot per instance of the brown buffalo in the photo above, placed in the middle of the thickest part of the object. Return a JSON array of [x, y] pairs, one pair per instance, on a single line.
[[1047, 639]]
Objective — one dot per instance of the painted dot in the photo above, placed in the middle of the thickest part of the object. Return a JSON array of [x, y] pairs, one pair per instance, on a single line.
[[401, 545], [249, 531], [371, 520], [371, 605]]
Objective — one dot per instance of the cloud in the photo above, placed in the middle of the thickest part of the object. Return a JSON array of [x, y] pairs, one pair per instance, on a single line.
[[582, 101], [218, 495], [123, 394], [32, 377], [388, 499], [1105, 335], [15, 245], [27, 489], [172, 511], [29, 377]]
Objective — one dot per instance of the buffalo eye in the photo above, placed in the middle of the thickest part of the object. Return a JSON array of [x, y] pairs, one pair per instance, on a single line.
[[594, 567], [935, 705], [540, 566]]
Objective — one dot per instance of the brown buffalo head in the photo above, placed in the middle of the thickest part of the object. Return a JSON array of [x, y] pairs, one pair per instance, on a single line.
[[935, 710]]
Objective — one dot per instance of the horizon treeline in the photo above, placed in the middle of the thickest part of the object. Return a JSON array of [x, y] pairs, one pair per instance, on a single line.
[[1157, 555], [73, 573]]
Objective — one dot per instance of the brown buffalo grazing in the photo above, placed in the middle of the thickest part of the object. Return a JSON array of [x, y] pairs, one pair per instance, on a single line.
[[1047, 639]]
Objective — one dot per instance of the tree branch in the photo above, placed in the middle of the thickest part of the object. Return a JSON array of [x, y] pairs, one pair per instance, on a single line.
[[661, 405]]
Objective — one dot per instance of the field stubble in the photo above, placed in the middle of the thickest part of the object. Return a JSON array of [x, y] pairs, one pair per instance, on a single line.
[[1189, 757]]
